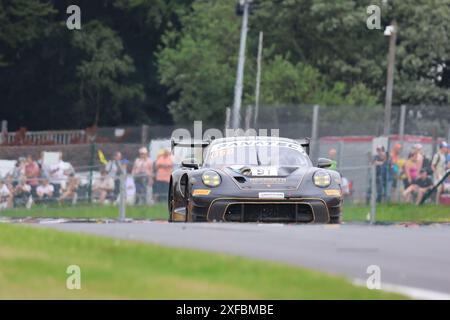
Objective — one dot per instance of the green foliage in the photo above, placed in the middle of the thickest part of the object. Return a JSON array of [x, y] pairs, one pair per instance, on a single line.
[[423, 55], [198, 66], [399, 212], [103, 71], [51, 78], [23, 23], [88, 211], [286, 83], [154, 61], [332, 36]]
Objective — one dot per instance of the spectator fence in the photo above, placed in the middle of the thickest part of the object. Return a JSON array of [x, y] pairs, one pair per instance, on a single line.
[[353, 139]]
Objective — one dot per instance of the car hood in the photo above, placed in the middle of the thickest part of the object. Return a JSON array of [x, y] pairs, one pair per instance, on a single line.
[[268, 177]]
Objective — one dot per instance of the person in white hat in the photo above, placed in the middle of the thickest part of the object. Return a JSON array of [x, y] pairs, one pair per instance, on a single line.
[[142, 173]]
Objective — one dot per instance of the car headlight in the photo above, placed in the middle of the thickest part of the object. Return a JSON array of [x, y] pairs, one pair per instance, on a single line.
[[211, 178], [322, 179]]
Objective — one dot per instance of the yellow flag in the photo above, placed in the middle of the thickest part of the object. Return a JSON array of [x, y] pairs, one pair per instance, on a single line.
[[101, 157]]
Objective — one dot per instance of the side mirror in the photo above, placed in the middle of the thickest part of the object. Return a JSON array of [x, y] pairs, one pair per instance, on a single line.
[[324, 163], [189, 163]]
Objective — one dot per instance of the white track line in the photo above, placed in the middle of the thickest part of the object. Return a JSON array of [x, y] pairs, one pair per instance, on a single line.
[[412, 292]]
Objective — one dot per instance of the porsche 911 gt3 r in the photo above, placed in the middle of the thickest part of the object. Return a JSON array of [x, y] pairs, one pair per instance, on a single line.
[[254, 179]]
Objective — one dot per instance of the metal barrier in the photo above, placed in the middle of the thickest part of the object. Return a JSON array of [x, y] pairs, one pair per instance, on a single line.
[[41, 137]]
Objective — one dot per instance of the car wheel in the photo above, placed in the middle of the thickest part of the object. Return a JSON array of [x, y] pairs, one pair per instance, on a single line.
[[170, 204], [186, 192], [335, 220]]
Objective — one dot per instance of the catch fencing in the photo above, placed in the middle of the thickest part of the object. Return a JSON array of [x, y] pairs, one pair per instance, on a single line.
[[350, 132]]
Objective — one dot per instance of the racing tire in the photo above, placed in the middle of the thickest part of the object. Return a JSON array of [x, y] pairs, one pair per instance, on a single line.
[[186, 192], [170, 204], [335, 220]]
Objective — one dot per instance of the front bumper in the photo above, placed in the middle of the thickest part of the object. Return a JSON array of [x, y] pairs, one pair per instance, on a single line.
[[236, 209]]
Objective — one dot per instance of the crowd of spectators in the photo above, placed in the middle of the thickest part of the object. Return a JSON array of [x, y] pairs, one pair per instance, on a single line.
[[417, 174], [33, 182]]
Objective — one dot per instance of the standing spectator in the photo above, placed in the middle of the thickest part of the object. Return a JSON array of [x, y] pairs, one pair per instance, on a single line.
[[332, 156], [45, 192], [19, 171], [417, 151], [22, 194], [70, 192], [142, 173], [164, 167], [42, 167], [130, 188], [418, 187], [58, 174], [5, 195], [380, 162], [448, 157], [103, 187], [114, 169], [395, 168], [447, 182], [32, 173], [438, 166]]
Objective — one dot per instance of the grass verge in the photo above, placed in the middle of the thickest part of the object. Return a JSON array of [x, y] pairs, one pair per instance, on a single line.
[[34, 262], [385, 212], [399, 213], [157, 211]]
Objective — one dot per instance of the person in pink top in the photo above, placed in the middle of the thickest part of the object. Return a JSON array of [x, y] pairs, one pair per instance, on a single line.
[[32, 173], [142, 174], [411, 169]]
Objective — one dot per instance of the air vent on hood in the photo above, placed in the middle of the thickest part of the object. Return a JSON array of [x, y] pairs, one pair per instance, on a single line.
[[240, 179]]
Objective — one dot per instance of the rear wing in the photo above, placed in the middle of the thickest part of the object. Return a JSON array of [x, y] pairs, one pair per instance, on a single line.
[[305, 143], [189, 143], [189, 146]]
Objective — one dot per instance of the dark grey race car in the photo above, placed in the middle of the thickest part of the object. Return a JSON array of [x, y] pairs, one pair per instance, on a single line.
[[254, 179]]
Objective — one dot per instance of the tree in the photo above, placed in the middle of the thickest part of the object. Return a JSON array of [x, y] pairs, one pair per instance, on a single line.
[[332, 36], [198, 66], [103, 73], [423, 52], [286, 83], [23, 23], [177, 59], [39, 75], [141, 24]]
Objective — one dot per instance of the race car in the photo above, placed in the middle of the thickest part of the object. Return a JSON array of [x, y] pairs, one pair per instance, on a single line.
[[254, 179]]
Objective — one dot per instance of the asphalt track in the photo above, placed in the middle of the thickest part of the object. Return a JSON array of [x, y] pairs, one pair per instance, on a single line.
[[410, 258]]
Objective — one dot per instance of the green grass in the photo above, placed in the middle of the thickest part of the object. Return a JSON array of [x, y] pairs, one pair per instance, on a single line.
[[157, 211], [385, 212], [34, 262], [399, 213]]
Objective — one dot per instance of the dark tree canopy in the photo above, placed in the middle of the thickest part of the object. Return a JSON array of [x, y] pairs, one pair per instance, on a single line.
[[55, 78], [164, 61]]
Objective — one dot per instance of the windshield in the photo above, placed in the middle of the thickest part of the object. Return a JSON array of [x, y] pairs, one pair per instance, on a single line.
[[257, 153]]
